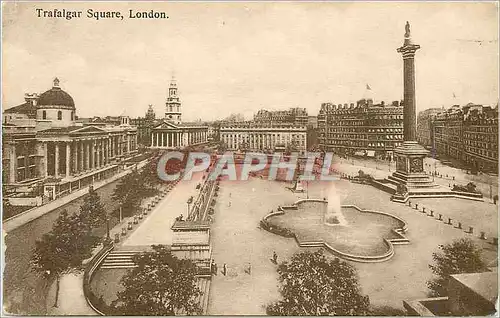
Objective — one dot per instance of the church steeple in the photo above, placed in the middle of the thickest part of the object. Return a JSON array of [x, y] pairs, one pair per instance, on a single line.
[[173, 105]]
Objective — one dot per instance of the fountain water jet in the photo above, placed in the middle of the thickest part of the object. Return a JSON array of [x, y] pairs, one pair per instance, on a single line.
[[333, 215]]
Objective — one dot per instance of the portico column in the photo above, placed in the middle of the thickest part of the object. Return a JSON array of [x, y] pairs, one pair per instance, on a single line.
[[56, 160], [87, 155], [108, 148], [74, 157], [45, 159], [81, 159], [99, 153], [68, 155], [92, 154], [12, 163], [128, 143], [162, 139], [104, 152]]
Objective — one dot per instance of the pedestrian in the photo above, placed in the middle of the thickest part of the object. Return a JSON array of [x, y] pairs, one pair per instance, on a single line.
[[229, 203], [224, 269], [214, 267], [275, 257]]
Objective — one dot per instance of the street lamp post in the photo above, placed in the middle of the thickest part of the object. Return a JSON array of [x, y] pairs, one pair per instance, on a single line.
[[434, 170], [491, 188], [121, 213], [107, 229], [307, 189]]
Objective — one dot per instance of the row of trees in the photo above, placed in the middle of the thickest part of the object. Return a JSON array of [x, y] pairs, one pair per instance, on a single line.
[[138, 185], [73, 236], [70, 241]]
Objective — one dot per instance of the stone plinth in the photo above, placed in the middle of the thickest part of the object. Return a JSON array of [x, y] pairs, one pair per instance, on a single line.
[[410, 166]]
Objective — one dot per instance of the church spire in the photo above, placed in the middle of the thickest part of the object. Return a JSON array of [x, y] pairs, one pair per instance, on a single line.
[[173, 105]]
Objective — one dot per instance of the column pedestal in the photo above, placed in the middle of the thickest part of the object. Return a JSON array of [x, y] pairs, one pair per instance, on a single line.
[[410, 166]]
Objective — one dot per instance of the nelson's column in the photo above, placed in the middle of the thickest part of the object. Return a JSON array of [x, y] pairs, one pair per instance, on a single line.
[[410, 155]]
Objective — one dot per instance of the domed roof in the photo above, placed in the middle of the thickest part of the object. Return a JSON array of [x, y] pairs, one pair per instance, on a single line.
[[56, 97]]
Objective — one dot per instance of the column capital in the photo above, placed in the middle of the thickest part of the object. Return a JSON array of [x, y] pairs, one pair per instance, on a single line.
[[408, 50]]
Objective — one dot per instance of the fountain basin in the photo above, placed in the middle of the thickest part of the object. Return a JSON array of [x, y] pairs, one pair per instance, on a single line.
[[363, 236]]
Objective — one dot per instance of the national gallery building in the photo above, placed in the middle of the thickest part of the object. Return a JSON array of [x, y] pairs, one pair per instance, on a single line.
[[44, 145]]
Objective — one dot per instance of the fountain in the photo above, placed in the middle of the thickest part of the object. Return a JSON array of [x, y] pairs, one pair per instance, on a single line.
[[333, 215], [346, 230]]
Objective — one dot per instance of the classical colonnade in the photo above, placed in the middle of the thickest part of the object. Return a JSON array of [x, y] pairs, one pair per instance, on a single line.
[[263, 140], [165, 139], [85, 154]]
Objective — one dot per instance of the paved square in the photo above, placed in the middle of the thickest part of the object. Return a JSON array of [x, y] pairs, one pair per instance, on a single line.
[[237, 241]]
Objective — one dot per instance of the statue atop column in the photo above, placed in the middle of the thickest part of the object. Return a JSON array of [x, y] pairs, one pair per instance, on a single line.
[[407, 29]]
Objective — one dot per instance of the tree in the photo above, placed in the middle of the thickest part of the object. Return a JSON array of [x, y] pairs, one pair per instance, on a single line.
[[92, 210], [149, 174], [161, 285], [129, 192], [64, 247], [460, 256], [313, 285]]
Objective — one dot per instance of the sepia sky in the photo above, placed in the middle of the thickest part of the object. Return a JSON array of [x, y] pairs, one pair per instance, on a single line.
[[241, 57]]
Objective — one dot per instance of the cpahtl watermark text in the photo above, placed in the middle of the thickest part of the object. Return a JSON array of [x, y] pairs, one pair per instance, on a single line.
[[250, 163]]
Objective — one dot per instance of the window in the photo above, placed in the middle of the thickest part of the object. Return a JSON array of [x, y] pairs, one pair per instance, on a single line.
[[44, 114], [59, 115], [72, 115]]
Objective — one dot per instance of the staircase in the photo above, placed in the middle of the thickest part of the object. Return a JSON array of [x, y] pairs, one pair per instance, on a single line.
[[402, 240], [119, 259], [124, 259], [203, 285], [416, 181]]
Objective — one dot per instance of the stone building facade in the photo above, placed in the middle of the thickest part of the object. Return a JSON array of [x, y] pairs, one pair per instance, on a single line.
[[56, 152], [253, 136], [363, 128], [468, 134], [296, 116], [424, 126]]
